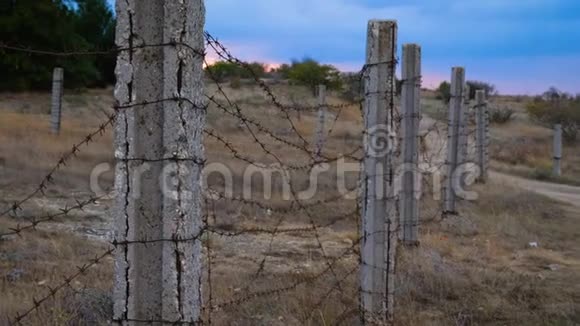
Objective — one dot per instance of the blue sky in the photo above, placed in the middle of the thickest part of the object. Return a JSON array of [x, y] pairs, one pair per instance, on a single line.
[[522, 46]]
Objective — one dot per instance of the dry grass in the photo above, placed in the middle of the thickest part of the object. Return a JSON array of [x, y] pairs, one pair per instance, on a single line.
[[476, 270], [525, 149], [32, 264], [491, 276]]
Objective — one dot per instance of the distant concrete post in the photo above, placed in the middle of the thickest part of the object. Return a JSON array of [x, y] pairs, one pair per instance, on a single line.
[[558, 150], [410, 107], [481, 134], [463, 148], [56, 101], [158, 147], [456, 118], [379, 235], [321, 119]]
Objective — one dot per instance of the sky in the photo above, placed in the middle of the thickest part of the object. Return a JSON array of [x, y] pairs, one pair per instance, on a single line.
[[521, 46]]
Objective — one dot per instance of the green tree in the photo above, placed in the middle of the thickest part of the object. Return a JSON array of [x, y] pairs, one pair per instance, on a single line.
[[475, 85], [555, 107], [224, 70], [96, 24], [54, 26], [444, 92], [309, 72], [258, 70], [282, 72], [352, 90]]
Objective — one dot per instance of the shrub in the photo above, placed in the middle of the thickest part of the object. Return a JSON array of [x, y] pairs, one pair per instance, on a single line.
[[352, 88], [542, 174], [570, 132], [557, 108], [310, 73], [235, 82], [444, 92], [475, 85], [224, 70], [500, 116]]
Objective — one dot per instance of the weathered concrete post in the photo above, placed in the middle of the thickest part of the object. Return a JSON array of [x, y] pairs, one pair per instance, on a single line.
[[558, 150], [56, 101], [454, 157], [158, 150], [411, 111], [379, 235], [481, 134], [319, 141], [463, 148]]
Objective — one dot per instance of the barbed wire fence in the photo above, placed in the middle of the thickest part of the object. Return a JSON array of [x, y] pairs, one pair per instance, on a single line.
[[329, 275]]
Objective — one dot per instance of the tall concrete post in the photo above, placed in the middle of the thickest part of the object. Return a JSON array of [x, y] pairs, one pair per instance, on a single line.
[[481, 134], [158, 149], [466, 95], [411, 111], [56, 100], [456, 118], [319, 141], [558, 150], [378, 212], [463, 148]]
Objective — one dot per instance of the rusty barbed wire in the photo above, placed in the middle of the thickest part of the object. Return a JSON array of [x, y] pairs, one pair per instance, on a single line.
[[249, 121], [74, 152], [49, 178], [53, 291], [112, 51], [279, 290], [80, 205], [236, 153], [225, 54], [253, 127]]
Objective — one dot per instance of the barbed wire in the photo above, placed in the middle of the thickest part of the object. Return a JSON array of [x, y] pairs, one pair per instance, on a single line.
[[53, 291], [64, 159], [254, 129], [224, 54], [32, 225], [113, 51]]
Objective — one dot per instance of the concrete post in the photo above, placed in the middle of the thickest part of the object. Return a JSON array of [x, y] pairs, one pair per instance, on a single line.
[[481, 134], [463, 148], [558, 150], [453, 137], [319, 141], [56, 101], [158, 147], [378, 232], [411, 178]]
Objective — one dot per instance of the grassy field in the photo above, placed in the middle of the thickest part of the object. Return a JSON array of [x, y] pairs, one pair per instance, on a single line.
[[474, 269], [518, 146]]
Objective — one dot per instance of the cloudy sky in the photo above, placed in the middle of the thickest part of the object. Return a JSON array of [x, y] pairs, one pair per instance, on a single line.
[[522, 46]]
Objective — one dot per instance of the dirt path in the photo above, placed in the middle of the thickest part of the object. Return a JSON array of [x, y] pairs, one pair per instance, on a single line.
[[564, 193], [437, 142]]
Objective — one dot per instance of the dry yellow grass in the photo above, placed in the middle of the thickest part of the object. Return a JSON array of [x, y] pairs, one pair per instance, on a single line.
[[523, 148], [477, 270], [34, 263]]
